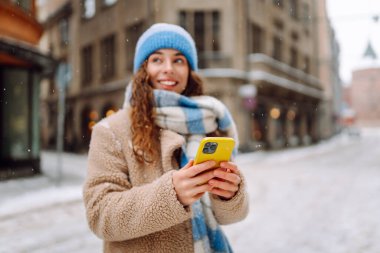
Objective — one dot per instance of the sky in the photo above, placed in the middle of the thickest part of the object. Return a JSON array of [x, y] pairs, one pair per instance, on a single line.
[[354, 25]]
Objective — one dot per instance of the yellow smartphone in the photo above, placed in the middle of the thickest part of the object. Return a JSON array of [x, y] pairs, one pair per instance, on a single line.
[[218, 149]]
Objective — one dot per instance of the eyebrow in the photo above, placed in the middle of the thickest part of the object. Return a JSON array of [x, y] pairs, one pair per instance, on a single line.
[[160, 53]]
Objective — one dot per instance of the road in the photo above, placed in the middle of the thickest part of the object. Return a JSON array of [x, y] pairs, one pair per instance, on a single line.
[[321, 198]]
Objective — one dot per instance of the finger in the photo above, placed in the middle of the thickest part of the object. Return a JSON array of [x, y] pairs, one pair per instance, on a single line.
[[222, 193], [231, 166], [198, 196], [199, 190], [183, 172], [188, 164], [202, 178], [227, 176], [223, 185], [199, 168]]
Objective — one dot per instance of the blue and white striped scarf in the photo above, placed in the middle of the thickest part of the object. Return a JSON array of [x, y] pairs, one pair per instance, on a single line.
[[194, 117]]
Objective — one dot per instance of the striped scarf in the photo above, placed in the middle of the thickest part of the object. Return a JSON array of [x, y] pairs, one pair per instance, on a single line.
[[194, 117]]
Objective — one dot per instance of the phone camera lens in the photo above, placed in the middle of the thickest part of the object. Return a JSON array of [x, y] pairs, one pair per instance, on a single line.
[[213, 146], [210, 147]]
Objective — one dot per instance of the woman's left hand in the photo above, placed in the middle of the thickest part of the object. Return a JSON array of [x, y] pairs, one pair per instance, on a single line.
[[226, 180]]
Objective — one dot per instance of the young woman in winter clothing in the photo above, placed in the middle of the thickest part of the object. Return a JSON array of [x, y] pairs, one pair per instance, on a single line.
[[142, 192]]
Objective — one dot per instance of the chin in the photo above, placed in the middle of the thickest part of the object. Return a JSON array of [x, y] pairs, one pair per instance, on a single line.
[[168, 88]]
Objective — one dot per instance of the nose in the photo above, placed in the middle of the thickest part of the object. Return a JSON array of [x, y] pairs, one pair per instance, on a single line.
[[168, 67]]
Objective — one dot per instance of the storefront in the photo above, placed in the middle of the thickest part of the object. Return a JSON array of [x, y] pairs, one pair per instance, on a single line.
[[21, 69]]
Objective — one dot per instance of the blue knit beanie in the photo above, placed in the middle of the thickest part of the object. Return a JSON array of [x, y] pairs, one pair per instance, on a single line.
[[160, 36]]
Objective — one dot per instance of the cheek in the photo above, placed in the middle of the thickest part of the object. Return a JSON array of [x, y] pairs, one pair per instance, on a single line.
[[151, 70], [185, 75], [152, 74]]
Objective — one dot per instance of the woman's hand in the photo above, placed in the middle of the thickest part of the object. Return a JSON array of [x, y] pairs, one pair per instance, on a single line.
[[226, 180], [192, 181]]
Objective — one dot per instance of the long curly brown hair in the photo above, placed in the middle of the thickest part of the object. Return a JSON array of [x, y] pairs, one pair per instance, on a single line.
[[145, 133]]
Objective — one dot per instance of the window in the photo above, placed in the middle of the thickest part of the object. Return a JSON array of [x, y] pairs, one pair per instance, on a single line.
[[215, 31], [293, 49], [279, 3], [15, 123], [88, 8], [107, 57], [277, 48], [294, 36], [278, 24], [204, 26], [26, 5], [199, 29], [132, 34], [293, 9], [183, 18], [86, 65], [257, 39], [306, 67], [293, 57], [306, 13], [109, 2], [64, 31]]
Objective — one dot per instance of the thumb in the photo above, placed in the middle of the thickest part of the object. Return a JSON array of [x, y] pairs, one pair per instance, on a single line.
[[189, 164]]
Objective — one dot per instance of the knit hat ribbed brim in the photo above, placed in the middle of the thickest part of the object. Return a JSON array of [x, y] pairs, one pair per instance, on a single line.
[[160, 36]]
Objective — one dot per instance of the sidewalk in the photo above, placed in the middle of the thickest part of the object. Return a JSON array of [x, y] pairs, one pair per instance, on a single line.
[[45, 213], [319, 198]]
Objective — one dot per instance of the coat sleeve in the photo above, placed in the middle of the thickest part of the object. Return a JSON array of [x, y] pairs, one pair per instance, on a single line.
[[233, 210], [115, 210]]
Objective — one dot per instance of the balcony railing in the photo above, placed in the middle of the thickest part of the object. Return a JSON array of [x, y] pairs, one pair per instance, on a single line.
[[266, 69]]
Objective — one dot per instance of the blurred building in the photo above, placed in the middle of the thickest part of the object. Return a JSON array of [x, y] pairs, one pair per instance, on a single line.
[[22, 66], [365, 89], [330, 106], [261, 57]]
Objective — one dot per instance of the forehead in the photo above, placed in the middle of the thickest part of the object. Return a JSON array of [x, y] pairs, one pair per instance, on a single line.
[[168, 52]]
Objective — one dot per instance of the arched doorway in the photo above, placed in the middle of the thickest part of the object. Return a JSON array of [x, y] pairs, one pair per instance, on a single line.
[[69, 135], [89, 118], [260, 118]]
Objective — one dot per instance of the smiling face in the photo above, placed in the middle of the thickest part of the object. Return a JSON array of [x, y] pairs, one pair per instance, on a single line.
[[168, 70]]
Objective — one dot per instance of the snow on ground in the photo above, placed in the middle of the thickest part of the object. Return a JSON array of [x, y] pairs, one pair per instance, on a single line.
[[320, 198]]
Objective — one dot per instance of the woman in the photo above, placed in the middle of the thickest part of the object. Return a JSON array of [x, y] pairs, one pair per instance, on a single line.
[[142, 192]]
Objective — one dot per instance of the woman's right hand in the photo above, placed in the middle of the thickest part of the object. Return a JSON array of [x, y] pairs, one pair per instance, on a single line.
[[191, 181]]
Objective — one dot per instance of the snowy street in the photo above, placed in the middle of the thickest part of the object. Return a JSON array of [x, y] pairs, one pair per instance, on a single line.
[[317, 199]]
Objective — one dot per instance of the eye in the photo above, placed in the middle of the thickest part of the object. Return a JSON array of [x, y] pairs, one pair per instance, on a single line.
[[179, 60], [155, 59]]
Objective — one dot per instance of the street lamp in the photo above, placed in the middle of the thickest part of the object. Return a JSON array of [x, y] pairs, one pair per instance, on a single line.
[[62, 78], [248, 94]]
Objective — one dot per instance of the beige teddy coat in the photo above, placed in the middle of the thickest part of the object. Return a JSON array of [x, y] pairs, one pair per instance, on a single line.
[[133, 207]]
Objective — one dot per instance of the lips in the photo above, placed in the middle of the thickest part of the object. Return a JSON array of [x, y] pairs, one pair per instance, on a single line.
[[167, 82]]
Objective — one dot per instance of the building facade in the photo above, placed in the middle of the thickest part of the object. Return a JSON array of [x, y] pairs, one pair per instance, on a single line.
[[330, 106], [22, 65], [258, 56], [365, 90]]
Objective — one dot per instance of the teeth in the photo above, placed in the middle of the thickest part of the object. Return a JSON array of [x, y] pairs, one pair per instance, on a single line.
[[167, 83]]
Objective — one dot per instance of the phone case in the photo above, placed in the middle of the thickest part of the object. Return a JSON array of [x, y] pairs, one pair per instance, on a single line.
[[218, 149]]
